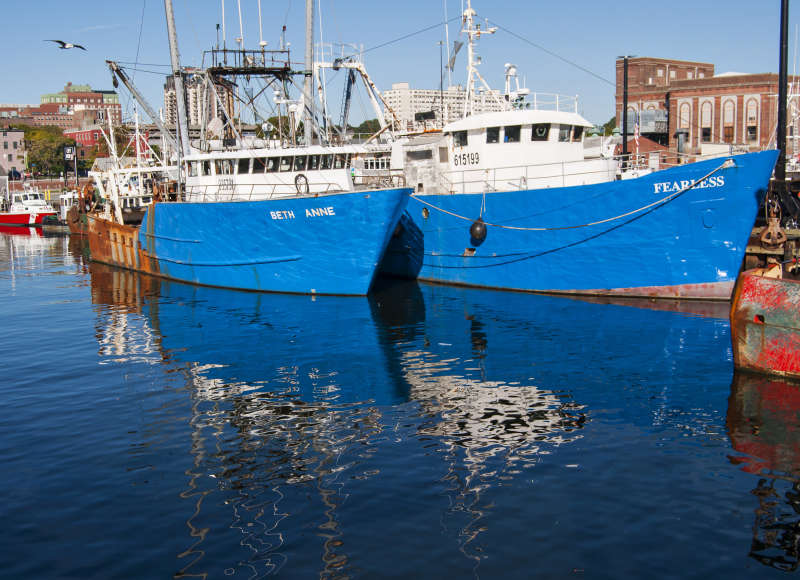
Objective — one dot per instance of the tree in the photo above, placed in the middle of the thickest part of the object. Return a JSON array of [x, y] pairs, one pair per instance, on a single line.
[[45, 146], [368, 127], [610, 125]]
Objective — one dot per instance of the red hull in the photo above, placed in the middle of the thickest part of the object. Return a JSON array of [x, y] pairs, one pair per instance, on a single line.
[[765, 324], [23, 218]]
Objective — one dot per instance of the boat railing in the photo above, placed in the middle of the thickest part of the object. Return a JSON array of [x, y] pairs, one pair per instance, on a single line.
[[532, 176], [551, 102], [253, 192]]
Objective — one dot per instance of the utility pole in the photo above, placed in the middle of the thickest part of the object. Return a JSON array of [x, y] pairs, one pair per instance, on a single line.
[[624, 107], [780, 168]]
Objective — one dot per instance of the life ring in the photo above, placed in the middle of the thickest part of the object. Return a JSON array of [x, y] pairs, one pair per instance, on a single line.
[[301, 183]]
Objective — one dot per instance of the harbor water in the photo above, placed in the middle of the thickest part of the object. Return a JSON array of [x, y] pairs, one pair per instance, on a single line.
[[157, 430]]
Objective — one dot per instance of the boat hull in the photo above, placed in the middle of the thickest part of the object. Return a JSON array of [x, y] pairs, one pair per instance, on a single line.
[[330, 244], [765, 324], [25, 219], [628, 237]]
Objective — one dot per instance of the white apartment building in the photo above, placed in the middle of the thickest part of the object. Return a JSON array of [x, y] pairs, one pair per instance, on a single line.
[[447, 105], [194, 86]]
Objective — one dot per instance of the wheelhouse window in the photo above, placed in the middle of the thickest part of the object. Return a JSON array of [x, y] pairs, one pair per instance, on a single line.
[[540, 132], [512, 133], [273, 164], [286, 163], [224, 166], [206, 167], [341, 161], [563, 132], [325, 161], [259, 164], [460, 138], [244, 165], [300, 163], [577, 133], [193, 168], [313, 162], [493, 134]]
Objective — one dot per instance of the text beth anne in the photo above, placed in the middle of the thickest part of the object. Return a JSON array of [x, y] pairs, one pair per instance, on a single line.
[[310, 212]]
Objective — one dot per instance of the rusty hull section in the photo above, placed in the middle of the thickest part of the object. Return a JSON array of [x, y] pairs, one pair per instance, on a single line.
[[765, 324], [118, 245]]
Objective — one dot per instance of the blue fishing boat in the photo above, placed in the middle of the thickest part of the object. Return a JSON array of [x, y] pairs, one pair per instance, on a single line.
[[679, 232], [516, 199], [329, 244], [240, 211]]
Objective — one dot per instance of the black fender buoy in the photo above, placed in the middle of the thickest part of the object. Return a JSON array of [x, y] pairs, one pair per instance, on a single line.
[[477, 231]]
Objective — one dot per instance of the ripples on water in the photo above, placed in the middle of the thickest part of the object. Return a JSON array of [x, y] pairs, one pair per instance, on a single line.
[[156, 429]]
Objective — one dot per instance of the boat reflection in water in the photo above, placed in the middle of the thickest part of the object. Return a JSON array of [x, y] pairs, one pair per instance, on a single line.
[[764, 426], [310, 419]]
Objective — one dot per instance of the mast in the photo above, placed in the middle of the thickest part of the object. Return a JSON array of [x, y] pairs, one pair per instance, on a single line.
[[473, 35], [308, 97], [780, 168], [180, 97]]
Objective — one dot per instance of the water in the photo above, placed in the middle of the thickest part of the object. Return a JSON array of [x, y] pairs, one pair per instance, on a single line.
[[156, 430]]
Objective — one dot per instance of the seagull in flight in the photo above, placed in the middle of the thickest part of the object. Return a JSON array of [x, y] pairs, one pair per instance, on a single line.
[[65, 45]]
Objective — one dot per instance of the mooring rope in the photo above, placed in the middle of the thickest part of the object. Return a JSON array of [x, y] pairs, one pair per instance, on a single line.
[[727, 163]]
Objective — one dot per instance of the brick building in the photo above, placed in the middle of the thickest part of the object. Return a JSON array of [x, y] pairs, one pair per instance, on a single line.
[[76, 107], [714, 112]]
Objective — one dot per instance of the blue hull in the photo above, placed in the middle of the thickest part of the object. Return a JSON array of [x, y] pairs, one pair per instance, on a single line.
[[648, 238], [331, 244]]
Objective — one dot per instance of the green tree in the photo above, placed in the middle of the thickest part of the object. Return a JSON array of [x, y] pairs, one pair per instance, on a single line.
[[610, 125], [368, 127], [45, 146]]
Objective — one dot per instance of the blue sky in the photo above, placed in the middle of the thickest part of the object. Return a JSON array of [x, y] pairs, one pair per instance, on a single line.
[[735, 35]]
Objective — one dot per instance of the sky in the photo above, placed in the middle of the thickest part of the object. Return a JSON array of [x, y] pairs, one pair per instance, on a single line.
[[566, 47]]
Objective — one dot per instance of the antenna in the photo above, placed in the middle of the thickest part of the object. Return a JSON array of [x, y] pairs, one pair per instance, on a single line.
[[240, 40], [261, 42]]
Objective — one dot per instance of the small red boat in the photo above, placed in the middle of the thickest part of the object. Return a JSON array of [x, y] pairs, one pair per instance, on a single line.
[[765, 322], [24, 208]]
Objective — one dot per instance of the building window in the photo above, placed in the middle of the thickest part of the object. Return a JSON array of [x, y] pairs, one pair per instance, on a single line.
[[540, 132], [728, 117], [672, 74], [492, 134], [689, 75], [512, 133], [706, 116], [660, 72], [685, 116], [752, 121]]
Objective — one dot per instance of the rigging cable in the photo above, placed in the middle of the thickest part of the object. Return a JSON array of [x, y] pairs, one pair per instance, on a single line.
[[551, 53]]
